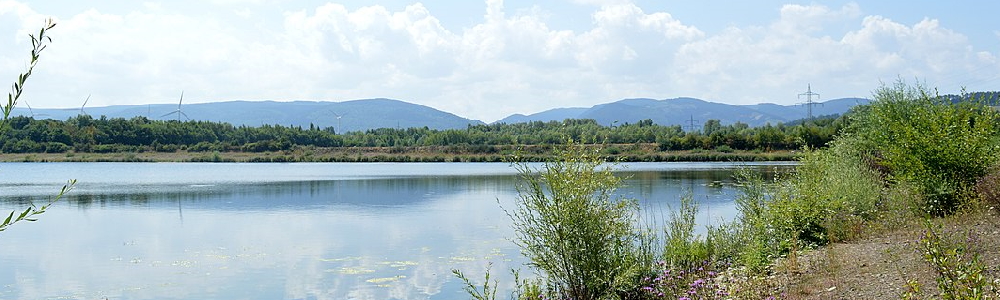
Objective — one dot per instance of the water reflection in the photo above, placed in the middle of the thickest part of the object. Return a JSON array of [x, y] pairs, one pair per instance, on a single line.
[[317, 194], [370, 237]]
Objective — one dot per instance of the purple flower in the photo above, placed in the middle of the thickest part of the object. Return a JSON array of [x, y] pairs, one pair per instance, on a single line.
[[698, 283]]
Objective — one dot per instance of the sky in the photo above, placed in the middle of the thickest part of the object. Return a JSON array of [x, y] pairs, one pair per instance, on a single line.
[[489, 59]]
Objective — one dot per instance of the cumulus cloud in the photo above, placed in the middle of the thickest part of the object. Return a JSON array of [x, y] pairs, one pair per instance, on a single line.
[[747, 65], [509, 61]]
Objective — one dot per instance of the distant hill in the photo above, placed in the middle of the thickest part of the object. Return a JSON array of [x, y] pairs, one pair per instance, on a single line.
[[552, 114], [678, 111], [359, 115], [354, 115]]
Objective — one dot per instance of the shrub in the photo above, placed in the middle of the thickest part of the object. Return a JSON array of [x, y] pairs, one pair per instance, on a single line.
[[56, 147], [579, 236], [940, 145], [841, 190], [830, 197], [682, 248], [724, 149]]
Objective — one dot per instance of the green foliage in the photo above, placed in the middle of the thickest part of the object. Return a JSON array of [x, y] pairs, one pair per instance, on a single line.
[[682, 248], [86, 134], [752, 235], [907, 140], [940, 145], [488, 291], [832, 194], [37, 46], [830, 197], [579, 236], [32, 211], [960, 273], [528, 289]]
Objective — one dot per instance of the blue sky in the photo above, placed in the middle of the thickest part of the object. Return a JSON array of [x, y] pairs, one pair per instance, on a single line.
[[489, 59]]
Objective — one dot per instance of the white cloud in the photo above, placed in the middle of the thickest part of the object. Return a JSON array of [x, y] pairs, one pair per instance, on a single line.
[[758, 64], [505, 63], [600, 2]]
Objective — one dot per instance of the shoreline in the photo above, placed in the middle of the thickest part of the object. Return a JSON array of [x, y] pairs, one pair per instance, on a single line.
[[623, 153]]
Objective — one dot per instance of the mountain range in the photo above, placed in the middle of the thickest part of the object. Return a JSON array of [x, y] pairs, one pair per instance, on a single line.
[[367, 114], [681, 111]]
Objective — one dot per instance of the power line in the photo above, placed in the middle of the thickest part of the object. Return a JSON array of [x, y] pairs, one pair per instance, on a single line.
[[691, 122], [809, 100]]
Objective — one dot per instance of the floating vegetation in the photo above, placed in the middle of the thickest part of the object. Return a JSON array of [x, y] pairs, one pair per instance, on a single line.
[[349, 258], [219, 256], [400, 265], [385, 281], [352, 270], [462, 258]]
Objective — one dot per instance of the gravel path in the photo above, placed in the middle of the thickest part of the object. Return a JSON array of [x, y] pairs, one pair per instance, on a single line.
[[880, 267]]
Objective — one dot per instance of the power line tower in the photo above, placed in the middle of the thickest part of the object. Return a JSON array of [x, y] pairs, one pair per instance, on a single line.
[[809, 100], [691, 122]]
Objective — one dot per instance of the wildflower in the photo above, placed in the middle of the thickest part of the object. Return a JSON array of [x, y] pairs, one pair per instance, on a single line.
[[698, 283]]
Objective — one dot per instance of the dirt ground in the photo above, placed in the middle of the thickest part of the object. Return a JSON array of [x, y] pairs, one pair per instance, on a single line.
[[880, 266]]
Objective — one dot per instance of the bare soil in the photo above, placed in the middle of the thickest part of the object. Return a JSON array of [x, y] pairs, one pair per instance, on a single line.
[[879, 267]]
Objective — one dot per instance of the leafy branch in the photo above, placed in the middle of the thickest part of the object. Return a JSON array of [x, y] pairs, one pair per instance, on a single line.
[[29, 213], [488, 292], [38, 43]]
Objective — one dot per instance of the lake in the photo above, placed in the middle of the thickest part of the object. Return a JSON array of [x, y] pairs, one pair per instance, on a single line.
[[290, 231]]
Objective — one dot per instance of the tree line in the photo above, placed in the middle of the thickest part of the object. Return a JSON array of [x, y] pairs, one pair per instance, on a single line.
[[86, 134]]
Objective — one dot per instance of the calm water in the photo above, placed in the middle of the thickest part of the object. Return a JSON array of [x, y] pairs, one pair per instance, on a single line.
[[287, 231]]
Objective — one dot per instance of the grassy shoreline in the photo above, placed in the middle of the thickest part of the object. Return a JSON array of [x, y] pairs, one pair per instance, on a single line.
[[621, 152]]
